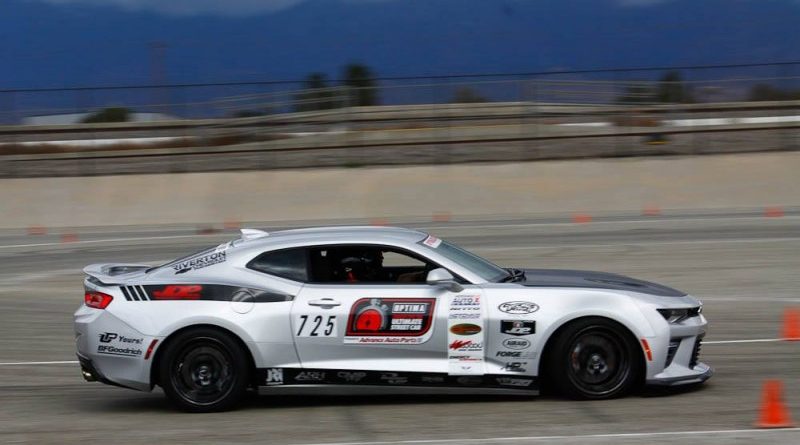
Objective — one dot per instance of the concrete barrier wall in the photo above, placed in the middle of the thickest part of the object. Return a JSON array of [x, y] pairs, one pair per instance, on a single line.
[[475, 190]]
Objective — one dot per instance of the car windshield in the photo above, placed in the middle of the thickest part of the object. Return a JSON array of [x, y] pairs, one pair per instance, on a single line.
[[477, 265]]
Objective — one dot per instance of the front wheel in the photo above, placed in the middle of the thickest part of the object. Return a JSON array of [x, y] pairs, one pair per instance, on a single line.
[[595, 358], [204, 370]]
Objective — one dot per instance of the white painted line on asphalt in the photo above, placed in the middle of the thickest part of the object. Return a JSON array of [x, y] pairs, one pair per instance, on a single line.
[[653, 220], [572, 438], [64, 362], [642, 243], [114, 240], [754, 340]]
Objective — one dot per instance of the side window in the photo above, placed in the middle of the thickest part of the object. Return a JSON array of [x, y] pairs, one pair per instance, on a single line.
[[289, 263], [355, 264]]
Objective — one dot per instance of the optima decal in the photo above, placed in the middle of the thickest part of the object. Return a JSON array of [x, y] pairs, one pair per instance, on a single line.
[[390, 320]]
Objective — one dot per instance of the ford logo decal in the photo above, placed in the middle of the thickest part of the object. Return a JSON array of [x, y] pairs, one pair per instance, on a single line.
[[518, 307]]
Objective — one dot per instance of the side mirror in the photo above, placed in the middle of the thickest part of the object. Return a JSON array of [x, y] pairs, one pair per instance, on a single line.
[[444, 279]]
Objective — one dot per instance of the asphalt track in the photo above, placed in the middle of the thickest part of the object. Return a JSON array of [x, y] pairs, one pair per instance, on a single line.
[[744, 268]]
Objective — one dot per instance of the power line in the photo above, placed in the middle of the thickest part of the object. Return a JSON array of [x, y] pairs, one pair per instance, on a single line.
[[420, 77]]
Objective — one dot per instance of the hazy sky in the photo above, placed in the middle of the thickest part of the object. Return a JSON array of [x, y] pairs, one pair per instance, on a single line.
[[52, 43], [244, 7]]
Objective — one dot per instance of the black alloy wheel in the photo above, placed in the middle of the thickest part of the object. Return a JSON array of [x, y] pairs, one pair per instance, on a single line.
[[595, 358], [204, 370]]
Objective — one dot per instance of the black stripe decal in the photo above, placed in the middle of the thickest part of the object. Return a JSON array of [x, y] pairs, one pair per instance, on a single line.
[[210, 292], [134, 294], [139, 293], [145, 297], [125, 292]]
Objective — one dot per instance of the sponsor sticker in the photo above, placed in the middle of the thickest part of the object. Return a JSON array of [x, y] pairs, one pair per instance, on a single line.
[[469, 380], [513, 381], [516, 343], [393, 378], [432, 241], [113, 343], [215, 257], [178, 292], [432, 379], [515, 367], [465, 339], [518, 327], [466, 346], [518, 307], [376, 320], [274, 377], [310, 376], [465, 329], [351, 376]]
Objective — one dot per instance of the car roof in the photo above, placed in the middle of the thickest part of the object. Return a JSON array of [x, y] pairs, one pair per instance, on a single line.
[[335, 234]]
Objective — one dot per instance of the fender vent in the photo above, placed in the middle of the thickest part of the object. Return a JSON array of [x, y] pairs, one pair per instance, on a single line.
[[134, 293]]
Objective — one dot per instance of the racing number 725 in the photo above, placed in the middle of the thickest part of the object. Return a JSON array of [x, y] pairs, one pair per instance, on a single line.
[[317, 326]]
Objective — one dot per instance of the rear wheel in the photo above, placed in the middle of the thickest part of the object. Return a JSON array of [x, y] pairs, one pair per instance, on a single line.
[[204, 370], [595, 358]]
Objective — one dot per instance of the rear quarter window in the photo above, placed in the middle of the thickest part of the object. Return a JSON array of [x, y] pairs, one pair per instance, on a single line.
[[290, 263]]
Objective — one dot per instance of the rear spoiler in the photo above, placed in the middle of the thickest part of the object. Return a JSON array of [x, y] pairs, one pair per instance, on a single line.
[[113, 273]]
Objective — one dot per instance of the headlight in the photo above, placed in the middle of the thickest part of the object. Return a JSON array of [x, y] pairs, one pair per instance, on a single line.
[[678, 315]]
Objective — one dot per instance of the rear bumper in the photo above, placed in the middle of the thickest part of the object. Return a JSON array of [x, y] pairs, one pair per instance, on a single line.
[[110, 351], [91, 374]]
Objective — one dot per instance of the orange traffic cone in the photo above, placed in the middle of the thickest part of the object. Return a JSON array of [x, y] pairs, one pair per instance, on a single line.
[[791, 324], [774, 413]]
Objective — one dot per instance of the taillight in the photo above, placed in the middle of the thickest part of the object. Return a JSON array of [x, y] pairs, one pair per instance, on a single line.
[[97, 300]]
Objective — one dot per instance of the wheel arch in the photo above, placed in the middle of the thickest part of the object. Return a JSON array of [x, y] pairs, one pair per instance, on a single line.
[[158, 355], [624, 327]]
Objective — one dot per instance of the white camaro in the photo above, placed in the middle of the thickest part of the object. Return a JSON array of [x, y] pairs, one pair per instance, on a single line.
[[366, 309]]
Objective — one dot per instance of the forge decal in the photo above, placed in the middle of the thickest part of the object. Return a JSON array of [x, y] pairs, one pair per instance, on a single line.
[[390, 321]]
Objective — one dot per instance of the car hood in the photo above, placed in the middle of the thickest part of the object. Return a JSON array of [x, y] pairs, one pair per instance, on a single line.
[[594, 280]]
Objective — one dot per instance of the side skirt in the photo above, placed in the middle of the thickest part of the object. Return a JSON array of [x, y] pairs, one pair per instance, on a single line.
[[340, 381]]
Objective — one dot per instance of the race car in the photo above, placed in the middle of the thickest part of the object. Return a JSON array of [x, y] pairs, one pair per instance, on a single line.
[[364, 310]]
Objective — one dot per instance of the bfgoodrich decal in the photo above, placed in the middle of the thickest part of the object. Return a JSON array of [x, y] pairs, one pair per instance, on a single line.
[[112, 343]]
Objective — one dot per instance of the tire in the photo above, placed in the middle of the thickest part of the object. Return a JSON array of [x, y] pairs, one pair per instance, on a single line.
[[594, 358], [204, 370]]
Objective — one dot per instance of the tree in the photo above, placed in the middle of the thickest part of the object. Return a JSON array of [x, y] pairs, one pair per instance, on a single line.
[[671, 89], [361, 83], [113, 114], [316, 94]]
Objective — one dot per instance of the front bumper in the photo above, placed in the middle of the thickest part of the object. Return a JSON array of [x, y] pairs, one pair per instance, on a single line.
[[677, 362]]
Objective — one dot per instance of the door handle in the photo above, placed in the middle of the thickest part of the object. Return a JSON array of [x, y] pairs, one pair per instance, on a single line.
[[325, 302]]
